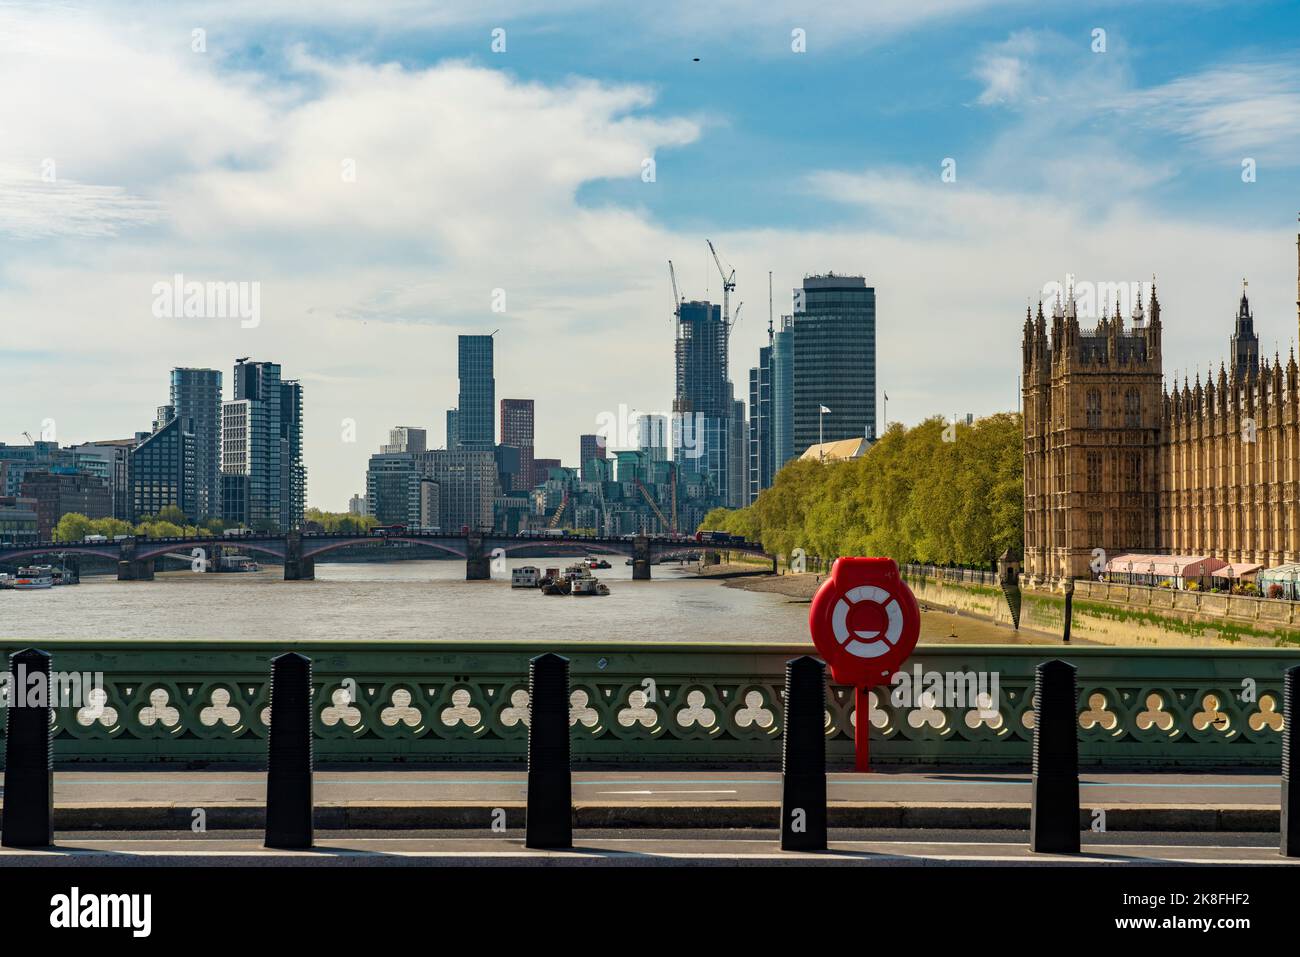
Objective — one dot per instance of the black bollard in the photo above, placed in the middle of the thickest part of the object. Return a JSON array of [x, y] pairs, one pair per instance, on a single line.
[[803, 756], [1054, 819], [1069, 610], [29, 767], [289, 751], [1290, 844], [550, 791]]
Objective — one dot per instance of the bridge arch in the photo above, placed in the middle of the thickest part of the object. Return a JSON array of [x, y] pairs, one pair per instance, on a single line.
[[153, 549], [109, 553], [376, 540], [590, 548]]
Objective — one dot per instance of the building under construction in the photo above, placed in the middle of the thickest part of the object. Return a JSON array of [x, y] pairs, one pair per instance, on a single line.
[[709, 433]]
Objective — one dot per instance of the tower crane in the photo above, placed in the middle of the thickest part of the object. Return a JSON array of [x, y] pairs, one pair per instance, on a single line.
[[677, 299], [728, 284]]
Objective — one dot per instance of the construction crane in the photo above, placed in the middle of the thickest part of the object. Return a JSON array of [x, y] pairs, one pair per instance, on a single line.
[[555, 519], [28, 437], [677, 299], [728, 284], [654, 507]]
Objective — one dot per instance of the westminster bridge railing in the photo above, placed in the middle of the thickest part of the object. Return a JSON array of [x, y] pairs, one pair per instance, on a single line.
[[192, 702]]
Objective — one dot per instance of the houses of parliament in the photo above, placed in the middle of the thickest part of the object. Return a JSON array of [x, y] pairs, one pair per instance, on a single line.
[[1115, 462]]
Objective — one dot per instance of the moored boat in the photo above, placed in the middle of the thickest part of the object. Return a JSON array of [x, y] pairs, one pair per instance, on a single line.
[[525, 576], [33, 577]]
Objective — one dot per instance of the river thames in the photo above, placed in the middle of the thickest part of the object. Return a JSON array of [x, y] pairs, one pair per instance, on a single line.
[[429, 601]]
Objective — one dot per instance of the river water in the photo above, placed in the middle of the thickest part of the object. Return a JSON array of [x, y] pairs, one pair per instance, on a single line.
[[426, 600]]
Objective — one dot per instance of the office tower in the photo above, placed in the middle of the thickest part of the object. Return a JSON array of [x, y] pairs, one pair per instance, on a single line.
[[509, 477], [162, 472], [59, 491], [406, 438], [703, 406], [111, 460], [834, 360], [17, 460], [453, 430], [261, 441], [590, 447], [761, 456], [467, 486], [18, 522], [196, 399], [357, 505], [293, 473], [393, 488], [738, 457], [542, 469], [517, 425], [430, 504], [783, 394], [477, 404], [653, 437]]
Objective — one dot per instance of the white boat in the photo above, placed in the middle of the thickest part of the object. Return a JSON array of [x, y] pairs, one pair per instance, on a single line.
[[583, 582], [585, 586], [525, 576], [33, 577]]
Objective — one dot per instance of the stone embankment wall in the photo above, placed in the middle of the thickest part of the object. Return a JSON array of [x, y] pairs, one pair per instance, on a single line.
[[1129, 615]]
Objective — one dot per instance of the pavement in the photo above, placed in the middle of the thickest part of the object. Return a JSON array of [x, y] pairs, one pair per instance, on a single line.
[[156, 800], [648, 848]]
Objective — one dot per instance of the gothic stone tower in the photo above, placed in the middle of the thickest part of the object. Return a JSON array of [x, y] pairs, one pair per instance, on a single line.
[[1092, 421]]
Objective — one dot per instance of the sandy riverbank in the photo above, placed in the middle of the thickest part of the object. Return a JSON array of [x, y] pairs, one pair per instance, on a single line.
[[938, 625]]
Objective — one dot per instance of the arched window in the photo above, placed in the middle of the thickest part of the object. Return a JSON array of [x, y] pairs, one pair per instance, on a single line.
[[1093, 407], [1133, 409]]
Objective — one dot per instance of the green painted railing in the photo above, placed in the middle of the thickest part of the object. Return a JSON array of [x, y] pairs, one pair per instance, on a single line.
[[192, 702]]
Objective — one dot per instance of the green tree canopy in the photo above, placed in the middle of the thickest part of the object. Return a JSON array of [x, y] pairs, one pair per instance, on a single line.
[[938, 492]]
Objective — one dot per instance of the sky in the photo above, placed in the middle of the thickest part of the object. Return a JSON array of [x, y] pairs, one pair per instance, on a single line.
[[383, 177]]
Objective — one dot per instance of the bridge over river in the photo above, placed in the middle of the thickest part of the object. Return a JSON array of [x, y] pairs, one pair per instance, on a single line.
[[298, 551]]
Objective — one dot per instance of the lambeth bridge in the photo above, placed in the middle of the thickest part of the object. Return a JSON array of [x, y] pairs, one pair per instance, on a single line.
[[298, 552]]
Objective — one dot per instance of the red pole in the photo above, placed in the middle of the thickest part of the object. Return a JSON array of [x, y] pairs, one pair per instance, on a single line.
[[862, 728]]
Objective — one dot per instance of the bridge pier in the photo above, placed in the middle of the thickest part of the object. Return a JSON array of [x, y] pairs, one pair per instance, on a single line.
[[296, 567], [641, 559], [132, 569], [478, 564]]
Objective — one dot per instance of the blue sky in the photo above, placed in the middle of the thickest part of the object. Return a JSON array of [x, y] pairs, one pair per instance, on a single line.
[[521, 171]]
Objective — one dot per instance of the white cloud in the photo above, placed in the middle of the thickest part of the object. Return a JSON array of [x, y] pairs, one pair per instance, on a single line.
[[1247, 109], [467, 181]]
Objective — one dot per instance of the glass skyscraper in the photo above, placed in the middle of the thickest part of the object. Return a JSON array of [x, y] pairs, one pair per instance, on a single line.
[[760, 424], [196, 400], [476, 410], [162, 472], [262, 442], [703, 407], [517, 422], [783, 394], [834, 360]]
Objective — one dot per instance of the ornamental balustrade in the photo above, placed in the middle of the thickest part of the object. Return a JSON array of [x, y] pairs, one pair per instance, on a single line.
[[194, 703]]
